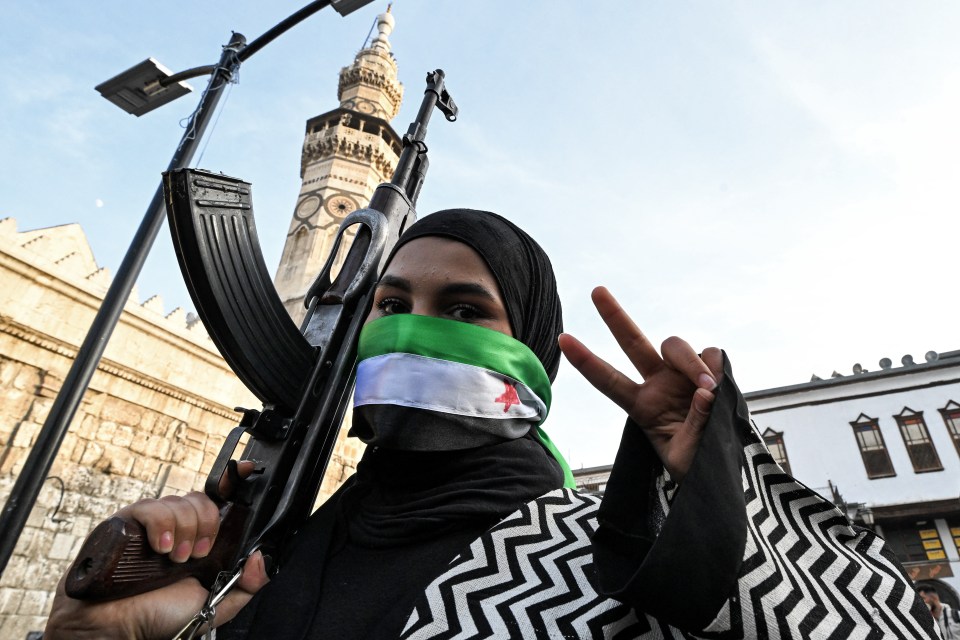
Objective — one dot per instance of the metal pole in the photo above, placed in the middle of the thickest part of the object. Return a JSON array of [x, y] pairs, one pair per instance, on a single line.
[[37, 466]]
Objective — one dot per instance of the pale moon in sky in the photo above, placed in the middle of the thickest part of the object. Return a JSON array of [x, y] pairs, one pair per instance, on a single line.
[[98, 202]]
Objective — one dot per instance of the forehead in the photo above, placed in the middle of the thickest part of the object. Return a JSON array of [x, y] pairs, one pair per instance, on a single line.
[[435, 257]]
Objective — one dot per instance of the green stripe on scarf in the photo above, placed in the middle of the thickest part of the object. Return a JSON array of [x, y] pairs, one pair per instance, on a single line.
[[465, 343], [455, 341], [544, 439]]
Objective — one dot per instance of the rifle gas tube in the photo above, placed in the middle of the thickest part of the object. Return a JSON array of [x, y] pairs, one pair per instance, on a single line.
[[303, 377]]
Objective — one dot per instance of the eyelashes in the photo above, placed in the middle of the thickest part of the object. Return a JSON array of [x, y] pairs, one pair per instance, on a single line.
[[462, 312], [391, 306], [467, 313]]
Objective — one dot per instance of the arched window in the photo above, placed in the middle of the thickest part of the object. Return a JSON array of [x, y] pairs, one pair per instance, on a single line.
[[923, 454], [951, 417], [873, 449], [774, 441]]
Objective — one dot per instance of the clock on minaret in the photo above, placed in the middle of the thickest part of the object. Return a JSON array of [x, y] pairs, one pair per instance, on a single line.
[[340, 205], [307, 207]]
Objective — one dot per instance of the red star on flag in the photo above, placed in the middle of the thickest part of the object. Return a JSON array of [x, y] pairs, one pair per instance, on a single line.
[[509, 397]]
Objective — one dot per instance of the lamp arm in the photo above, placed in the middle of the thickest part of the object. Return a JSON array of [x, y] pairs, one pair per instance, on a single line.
[[186, 75]]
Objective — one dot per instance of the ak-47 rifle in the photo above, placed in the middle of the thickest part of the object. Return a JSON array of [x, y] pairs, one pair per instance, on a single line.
[[304, 377]]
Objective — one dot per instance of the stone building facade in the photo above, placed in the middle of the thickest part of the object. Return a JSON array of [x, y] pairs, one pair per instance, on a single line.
[[151, 423], [162, 399]]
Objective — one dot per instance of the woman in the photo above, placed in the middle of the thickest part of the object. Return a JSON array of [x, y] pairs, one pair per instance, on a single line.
[[460, 521]]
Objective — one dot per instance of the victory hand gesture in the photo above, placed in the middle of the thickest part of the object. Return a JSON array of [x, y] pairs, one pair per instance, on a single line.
[[673, 402]]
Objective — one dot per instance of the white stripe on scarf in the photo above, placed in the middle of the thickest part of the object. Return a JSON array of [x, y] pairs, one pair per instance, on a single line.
[[410, 380]]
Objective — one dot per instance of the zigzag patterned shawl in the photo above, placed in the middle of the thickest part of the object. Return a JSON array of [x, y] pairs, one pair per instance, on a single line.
[[806, 573], [746, 552]]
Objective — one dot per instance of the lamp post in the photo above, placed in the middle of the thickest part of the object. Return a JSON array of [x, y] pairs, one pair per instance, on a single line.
[[138, 90], [854, 511]]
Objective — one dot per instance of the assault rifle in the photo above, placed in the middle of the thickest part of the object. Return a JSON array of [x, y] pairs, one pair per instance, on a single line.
[[303, 377]]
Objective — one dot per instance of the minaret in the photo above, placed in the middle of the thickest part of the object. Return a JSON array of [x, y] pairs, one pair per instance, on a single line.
[[347, 152]]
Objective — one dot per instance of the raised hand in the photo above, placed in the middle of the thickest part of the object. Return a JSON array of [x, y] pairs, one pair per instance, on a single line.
[[673, 402]]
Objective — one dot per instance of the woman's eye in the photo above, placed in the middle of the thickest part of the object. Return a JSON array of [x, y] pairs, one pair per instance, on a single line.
[[391, 306], [466, 313]]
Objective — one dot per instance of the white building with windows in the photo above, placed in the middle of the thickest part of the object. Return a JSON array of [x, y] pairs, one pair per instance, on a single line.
[[884, 445]]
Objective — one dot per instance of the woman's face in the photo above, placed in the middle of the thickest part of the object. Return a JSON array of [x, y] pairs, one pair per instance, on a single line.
[[443, 278]]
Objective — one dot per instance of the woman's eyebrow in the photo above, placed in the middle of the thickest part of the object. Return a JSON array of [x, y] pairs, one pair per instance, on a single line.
[[395, 282], [452, 289], [467, 288]]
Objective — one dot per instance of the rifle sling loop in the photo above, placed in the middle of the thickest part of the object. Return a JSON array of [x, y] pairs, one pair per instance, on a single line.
[[223, 585]]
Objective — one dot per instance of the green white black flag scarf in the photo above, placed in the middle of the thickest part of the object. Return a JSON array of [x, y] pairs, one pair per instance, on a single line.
[[432, 384]]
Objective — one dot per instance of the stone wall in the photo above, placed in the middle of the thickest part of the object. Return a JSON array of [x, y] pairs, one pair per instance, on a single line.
[[151, 424], [116, 452]]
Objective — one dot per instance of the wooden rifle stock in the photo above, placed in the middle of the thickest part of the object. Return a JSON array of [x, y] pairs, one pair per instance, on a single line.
[[116, 559]]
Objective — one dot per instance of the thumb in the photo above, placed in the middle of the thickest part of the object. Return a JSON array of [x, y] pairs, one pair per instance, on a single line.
[[698, 415], [686, 441], [253, 578]]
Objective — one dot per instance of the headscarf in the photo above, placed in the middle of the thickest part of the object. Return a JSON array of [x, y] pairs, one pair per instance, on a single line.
[[413, 495], [520, 266]]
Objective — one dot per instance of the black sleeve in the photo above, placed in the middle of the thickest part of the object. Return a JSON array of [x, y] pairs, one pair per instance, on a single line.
[[281, 609], [683, 569]]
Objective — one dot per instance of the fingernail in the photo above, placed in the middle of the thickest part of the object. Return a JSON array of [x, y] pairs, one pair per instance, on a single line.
[[706, 381], [166, 542], [202, 547], [182, 552], [258, 560], [268, 564]]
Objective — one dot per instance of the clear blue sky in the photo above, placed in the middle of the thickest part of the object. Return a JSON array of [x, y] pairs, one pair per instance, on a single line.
[[777, 179]]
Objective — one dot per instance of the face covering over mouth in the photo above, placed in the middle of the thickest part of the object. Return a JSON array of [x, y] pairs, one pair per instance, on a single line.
[[432, 384]]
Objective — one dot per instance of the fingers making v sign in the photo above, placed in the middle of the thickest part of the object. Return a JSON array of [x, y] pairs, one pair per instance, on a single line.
[[673, 402]]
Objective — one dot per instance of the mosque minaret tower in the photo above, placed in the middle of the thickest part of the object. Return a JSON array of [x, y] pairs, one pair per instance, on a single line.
[[347, 152]]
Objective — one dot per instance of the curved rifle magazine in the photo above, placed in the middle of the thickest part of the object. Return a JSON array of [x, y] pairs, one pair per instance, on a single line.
[[215, 238]]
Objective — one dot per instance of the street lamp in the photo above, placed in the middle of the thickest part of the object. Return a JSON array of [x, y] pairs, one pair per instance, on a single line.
[[138, 90], [146, 86], [854, 511]]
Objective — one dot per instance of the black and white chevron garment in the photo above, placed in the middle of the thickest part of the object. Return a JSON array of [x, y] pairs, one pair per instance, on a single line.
[[529, 577], [805, 573]]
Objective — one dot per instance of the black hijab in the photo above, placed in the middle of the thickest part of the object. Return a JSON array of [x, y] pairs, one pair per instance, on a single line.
[[520, 266], [401, 496], [416, 490]]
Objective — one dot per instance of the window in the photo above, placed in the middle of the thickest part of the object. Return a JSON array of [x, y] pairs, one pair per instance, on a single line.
[[592, 486], [951, 416], [923, 454], [774, 441], [873, 450], [919, 542], [954, 525]]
